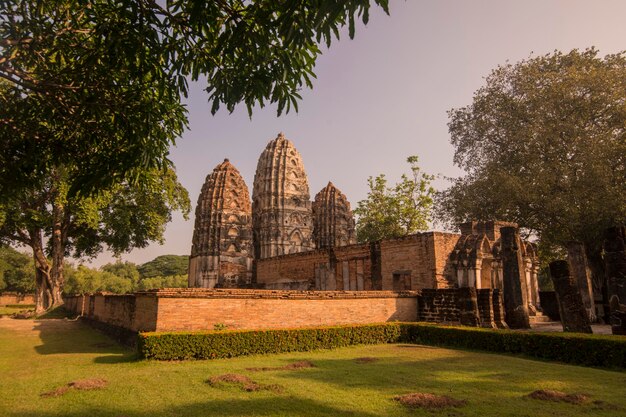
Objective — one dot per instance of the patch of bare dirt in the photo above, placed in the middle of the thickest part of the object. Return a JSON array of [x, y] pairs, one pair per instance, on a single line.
[[550, 395], [244, 382], [290, 367], [366, 359], [603, 405], [81, 384], [429, 401]]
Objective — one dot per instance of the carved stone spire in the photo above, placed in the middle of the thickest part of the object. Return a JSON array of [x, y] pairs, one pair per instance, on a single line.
[[333, 222], [281, 208], [221, 251]]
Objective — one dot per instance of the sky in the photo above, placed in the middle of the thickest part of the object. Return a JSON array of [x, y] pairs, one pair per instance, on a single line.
[[384, 95]]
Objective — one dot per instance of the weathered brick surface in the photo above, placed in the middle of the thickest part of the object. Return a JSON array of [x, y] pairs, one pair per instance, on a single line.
[[201, 309], [295, 267], [440, 306], [413, 255], [485, 307], [422, 259], [16, 298], [444, 244]]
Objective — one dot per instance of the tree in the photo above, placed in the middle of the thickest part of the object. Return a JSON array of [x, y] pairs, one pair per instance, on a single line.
[[544, 145], [53, 222], [126, 270], [16, 271], [99, 83], [164, 266], [401, 210], [83, 280]]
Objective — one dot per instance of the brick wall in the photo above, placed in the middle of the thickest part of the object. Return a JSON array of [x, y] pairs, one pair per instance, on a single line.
[[136, 312], [294, 267], [466, 306], [443, 244], [16, 298], [199, 309], [439, 306], [411, 262], [412, 257]]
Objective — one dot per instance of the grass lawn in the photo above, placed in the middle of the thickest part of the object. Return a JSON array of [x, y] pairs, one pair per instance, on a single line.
[[8, 310], [38, 356]]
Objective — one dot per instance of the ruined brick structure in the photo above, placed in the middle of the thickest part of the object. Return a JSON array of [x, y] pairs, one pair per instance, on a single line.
[[281, 206], [333, 224], [283, 241], [231, 231], [221, 251]]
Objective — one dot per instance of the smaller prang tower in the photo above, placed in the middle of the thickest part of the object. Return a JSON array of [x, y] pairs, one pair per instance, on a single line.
[[333, 222], [221, 251]]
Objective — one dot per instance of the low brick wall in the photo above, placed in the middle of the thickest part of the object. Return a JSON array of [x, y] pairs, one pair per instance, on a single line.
[[200, 309], [466, 306], [7, 298]]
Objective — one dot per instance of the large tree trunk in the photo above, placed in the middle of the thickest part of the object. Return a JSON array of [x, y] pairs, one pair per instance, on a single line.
[[45, 288], [59, 237]]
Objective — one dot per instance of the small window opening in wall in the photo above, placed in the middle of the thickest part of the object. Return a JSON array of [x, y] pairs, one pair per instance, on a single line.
[[401, 280]]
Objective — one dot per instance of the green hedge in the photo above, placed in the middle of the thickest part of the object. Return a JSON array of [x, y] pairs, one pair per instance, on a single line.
[[231, 343], [588, 350], [574, 348]]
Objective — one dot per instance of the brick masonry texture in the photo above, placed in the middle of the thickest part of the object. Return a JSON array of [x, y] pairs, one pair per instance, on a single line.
[[201, 309], [198, 309], [7, 298], [422, 259]]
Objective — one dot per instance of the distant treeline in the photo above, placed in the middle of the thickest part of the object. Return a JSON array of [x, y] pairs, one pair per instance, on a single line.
[[17, 273]]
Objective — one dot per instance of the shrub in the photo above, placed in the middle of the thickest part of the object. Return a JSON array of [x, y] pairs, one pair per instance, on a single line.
[[231, 343], [580, 349], [574, 348]]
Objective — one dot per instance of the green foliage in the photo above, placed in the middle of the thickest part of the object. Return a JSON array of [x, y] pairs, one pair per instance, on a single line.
[[117, 278], [172, 281], [544, 145], [401, 210], [164, 265], [84, 280], [232, 343], [99, 84], [574, 348], [579, 349], [126, 270], [17, 272]]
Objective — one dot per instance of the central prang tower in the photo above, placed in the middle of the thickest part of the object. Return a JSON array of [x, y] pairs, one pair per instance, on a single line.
[[281, 206]]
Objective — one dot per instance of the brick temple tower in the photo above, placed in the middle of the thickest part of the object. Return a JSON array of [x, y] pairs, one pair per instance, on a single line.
[[282, 218], [333, 222], [221, 251]]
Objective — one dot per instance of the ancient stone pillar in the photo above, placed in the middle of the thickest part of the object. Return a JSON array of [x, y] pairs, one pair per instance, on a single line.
[[615, 270], [573, 313], [580, 270], [515, 303], [468, 307]]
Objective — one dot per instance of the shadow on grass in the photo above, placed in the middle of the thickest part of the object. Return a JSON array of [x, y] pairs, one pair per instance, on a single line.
[[71, 337], [274, 405]]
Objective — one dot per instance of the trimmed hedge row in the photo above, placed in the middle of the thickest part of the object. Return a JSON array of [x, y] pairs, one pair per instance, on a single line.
[[574, 348], [231, 343], [580, 349]]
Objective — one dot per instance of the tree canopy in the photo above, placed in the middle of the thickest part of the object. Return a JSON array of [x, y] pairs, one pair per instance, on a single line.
[[544, 144], [17, 272], [390, 212], [55, 224], [98, 83], [164, 265]]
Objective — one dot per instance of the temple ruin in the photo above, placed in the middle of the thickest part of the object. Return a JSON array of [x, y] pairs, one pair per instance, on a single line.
[[221, 250], [283, 241]]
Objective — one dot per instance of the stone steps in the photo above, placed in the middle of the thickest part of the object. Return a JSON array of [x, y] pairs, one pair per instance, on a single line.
[[539, 318]]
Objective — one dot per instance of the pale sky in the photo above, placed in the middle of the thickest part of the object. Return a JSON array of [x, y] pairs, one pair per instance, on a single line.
[[385, 95]]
